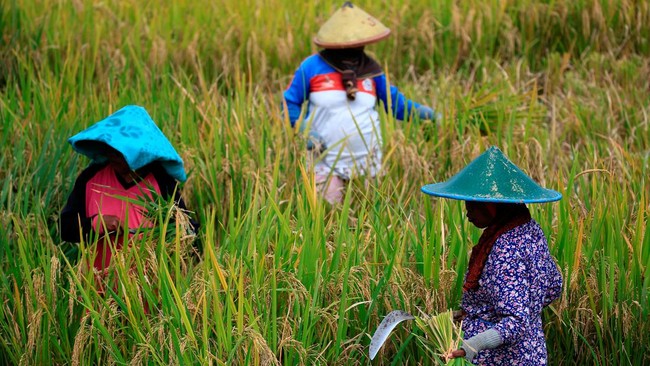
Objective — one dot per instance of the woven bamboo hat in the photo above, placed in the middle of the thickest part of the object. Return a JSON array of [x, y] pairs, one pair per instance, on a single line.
[[491, 177], [350, 27]]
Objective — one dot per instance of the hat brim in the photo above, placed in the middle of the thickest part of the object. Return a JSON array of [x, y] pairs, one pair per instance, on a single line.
[[543, 195], [352, 44]]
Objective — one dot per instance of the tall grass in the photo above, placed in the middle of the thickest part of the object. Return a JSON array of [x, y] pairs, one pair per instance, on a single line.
[[283, 278]]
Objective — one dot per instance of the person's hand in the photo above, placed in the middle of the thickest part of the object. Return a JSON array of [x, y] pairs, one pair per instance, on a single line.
[[315, 142], [425, 112], [111, 224], [459, 315], [457, 353]]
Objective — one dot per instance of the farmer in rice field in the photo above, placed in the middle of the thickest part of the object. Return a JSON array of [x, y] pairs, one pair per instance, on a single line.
[[342, 86], [132, 163], [511, 275]]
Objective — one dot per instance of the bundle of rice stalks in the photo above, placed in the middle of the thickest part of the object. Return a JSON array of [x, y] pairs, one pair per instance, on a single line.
[[169, 220], [441, 337]]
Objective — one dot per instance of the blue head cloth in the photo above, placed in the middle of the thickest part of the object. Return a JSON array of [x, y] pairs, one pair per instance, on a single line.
[[132, 132]]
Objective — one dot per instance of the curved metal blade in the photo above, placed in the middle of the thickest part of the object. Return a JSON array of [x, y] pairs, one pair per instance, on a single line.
[[385, 327]]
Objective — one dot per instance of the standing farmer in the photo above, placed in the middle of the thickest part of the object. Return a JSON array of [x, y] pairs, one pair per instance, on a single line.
[[342, 86], [511, 275]]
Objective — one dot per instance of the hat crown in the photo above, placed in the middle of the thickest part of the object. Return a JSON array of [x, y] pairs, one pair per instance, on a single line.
[[350, 27], [491, 177]]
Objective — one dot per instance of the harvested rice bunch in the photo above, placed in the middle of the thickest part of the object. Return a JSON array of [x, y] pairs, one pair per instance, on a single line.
[[441, 335]]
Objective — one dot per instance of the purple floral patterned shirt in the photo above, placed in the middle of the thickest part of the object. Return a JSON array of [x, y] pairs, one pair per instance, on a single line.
[[519, 278]]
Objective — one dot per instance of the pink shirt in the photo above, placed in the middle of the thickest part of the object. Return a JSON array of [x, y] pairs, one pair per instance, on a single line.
[[105, 194]]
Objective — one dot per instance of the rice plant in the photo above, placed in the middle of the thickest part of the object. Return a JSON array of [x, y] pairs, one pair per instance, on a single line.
[[441, 337]]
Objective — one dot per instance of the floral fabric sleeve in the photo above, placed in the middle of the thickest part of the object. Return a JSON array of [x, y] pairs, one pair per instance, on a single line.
[[554, 289]]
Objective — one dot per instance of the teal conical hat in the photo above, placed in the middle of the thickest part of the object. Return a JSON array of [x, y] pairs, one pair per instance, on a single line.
[[491, 177]]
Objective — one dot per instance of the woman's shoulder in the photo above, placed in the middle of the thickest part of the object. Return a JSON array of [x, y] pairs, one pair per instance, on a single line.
[[520, 238], [90, 171], [316, 64]]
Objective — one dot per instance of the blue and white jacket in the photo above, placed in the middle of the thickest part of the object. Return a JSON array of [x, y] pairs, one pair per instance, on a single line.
[[349, 128]]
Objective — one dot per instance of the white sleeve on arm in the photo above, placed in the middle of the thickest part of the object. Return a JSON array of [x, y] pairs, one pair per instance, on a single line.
[[484, 340]]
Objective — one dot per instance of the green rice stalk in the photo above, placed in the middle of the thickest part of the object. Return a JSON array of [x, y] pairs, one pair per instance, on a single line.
[[441, 337]]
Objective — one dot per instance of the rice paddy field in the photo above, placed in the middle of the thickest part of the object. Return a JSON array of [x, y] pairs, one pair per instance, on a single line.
[[281, 277]]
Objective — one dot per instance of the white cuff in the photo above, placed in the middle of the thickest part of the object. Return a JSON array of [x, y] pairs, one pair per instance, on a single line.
[[484, 340]]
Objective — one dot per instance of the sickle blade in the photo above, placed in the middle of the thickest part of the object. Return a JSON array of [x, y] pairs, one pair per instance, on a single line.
[[385, 327]]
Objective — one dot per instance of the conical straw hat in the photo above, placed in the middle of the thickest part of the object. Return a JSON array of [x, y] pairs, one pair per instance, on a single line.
[[491, 177], [350, 27]]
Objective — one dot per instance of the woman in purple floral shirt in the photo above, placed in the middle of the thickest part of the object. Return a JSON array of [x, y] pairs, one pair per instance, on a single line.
[[511, 275]]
